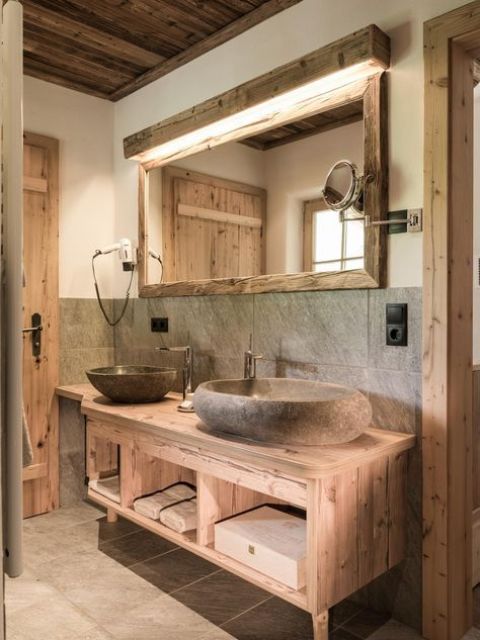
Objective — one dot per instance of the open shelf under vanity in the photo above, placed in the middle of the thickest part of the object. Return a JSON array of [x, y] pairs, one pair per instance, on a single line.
[[353, 495]]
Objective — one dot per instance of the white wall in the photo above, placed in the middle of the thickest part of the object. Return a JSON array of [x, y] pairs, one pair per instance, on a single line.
[[232, 161], [84, 127], [294, 173], [292, 33]]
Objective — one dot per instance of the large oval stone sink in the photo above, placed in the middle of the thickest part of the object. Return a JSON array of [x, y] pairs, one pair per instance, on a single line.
[[283, 410], [133, 383]]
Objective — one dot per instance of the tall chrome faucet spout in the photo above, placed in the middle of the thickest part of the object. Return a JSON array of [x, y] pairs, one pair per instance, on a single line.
[[250, 362], [187, 374]]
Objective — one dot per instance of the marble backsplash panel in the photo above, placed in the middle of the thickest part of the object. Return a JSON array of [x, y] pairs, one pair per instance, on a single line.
[[336, 336], [86, 340]]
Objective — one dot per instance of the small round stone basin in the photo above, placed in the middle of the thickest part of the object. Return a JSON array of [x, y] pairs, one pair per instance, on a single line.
[[283, 410], [133, 383]]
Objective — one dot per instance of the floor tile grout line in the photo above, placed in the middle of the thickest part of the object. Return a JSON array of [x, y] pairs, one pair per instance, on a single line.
[[70, 602], [186, 586], [140, 530], [352, 633], [349, 619], [135, 564], [269, 597], [70, 526]]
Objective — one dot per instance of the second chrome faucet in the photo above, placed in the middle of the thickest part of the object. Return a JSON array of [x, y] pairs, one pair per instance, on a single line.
[[250, 362], [186, 405]]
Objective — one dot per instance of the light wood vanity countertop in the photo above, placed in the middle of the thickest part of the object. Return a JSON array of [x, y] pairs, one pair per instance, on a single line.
[[161, 421]]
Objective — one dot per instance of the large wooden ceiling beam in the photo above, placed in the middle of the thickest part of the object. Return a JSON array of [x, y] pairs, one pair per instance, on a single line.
[[35, 36], [96, 72], [150, 28], [266, 10], [362, 52], [95, 38], [46, 72]]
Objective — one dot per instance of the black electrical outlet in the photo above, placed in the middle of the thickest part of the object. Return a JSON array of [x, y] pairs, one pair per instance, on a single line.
[[159, 325], [397, 324]]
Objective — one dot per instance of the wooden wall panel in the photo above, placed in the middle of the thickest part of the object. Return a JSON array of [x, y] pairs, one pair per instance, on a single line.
[[447, 322]]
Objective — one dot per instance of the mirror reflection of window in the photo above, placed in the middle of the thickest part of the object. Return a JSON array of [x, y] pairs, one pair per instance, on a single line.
[[331, 245]]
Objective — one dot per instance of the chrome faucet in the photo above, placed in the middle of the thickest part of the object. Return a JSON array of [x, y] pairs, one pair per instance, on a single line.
[[250, 362], [187, 374]]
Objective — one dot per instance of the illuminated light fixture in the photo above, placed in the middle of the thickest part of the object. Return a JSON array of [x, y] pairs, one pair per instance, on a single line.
[[287, 107]]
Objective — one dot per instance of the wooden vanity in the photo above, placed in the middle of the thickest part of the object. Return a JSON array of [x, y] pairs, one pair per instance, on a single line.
[[354, 494]]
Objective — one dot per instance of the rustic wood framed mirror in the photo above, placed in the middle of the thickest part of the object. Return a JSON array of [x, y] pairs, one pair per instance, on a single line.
[[210, 221]]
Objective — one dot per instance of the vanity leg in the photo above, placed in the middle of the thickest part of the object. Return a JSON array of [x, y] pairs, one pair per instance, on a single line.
[[320, 626], [112, 516]]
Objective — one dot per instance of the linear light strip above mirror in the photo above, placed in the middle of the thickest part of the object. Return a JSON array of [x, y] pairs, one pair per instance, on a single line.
[[273, 99]]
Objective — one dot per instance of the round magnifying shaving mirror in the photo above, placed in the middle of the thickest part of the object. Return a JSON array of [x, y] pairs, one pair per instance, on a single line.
[[343, 187]]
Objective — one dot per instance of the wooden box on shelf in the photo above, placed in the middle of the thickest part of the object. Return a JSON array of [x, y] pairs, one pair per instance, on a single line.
[[267, 540]]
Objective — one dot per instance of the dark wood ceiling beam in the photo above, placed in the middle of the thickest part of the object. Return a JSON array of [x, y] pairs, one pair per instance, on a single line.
[[78, 62], [85, 74], [48, 73], [243, 6], [138, 30], [301, 135], [56, 23], [266, 10], [183, 13], [71, 46]]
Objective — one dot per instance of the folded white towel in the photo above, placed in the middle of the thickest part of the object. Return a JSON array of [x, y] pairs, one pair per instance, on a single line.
[[151, 506], [181, 517], [108, 487]]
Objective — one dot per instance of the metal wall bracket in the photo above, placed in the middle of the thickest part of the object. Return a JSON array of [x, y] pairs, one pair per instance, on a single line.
[[403, 221]]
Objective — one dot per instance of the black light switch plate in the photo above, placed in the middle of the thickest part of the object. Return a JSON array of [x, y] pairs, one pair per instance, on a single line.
[[159, 325], [397, 324]]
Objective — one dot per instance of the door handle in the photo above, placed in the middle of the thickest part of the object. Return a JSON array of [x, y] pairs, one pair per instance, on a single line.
[[36, 331]]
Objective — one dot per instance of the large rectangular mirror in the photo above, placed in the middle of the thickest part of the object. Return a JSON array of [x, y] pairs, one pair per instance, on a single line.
[[248, 215]]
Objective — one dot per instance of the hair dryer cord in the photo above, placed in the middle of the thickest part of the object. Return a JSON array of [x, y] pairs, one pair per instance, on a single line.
[[112, 323]]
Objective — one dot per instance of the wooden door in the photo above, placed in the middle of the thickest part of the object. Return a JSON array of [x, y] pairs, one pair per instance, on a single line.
[[213, 228], [40, 371]]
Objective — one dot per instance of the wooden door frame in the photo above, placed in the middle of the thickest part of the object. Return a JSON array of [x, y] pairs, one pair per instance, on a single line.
[[36, 471], [451, 42]]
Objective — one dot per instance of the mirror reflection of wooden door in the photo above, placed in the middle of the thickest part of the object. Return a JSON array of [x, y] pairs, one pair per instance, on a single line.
[[212, 227], [41, 348]]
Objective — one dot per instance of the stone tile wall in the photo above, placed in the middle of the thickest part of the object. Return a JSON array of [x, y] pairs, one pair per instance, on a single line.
[[86, 340]]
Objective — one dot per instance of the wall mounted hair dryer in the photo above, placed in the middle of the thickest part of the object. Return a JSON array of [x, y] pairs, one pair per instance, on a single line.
[[125, 253]]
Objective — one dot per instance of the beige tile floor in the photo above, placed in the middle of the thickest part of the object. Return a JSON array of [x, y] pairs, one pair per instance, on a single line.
[[88, 580]]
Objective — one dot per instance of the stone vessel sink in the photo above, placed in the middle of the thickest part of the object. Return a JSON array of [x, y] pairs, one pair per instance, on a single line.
[[133, 383], [283, 410]]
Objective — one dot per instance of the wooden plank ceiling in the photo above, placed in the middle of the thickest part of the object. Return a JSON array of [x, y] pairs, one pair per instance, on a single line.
[[110, 48], [337, 117]]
